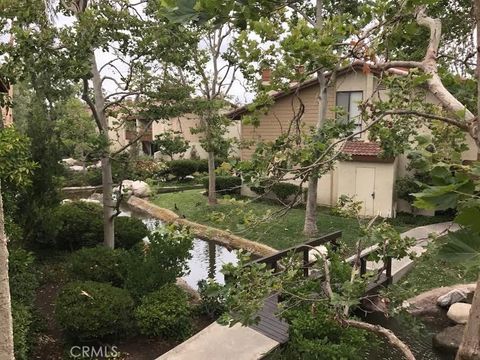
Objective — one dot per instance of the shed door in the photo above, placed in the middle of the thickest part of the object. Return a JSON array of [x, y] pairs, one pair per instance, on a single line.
[[365, 189]]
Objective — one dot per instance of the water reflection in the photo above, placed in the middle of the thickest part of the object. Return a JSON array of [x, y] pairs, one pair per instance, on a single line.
[[207, 258]]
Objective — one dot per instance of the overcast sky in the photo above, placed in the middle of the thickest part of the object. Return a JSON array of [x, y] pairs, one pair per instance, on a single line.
[[238, 92]]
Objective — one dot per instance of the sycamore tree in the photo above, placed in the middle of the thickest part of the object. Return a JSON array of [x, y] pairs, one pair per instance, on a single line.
[[402, 42], [140, 51], [213, 70]]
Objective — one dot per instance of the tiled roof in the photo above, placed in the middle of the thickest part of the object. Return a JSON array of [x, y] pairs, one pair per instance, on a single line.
[[362, 148]]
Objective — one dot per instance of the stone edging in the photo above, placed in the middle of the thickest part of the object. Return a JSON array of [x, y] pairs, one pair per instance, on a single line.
[[202, 231]]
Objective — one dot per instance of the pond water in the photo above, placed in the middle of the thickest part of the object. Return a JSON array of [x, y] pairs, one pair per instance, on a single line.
[[207, 257], [417, 334]]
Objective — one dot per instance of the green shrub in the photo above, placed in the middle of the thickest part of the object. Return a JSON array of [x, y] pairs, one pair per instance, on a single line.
[[96, 264], [212, 296], [149, 267], [129, 231], [281, 190], [22, 276], [92, 310], [22, 324], [406, 186], [182, 168], [284, 190], [202, 165], [91, 177], [166, 313], [225, 185], [322, 337], [78, 224], [148, 169]]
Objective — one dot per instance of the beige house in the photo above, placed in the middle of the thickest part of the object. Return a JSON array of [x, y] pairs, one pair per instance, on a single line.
[[368, 177], [121, 133]]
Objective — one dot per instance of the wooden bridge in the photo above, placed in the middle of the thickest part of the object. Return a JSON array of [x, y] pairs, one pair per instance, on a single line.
[[277, 329]]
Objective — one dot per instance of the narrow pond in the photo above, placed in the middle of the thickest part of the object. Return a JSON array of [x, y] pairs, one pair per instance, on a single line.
[[207, 257]]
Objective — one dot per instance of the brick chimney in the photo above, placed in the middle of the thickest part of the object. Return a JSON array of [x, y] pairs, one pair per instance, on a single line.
[[266, 75]]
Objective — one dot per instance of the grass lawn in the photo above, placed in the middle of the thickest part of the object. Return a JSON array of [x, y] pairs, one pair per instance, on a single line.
[[279, 232], [429, 272]]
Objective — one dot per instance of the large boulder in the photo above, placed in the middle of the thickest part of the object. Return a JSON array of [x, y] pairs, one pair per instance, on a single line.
[[449, 339], [425, 304], [69, 161], [76, 168], [459, 313], [137, 188], [452, 297]]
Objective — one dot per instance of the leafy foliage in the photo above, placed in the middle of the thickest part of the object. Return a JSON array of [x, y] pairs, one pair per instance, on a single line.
[[225, 185], [183, 168], [315, 334], [92, 310], [347, 206], [129, 231], [171, 143], [75, 225], [22, 276], [165, 312], [148, 267], [99, 264], [212, 298], [22, 330]]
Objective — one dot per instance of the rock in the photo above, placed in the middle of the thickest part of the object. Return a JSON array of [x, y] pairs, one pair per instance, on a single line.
[[76, 168], [96, 196], [69, 161], [425, 304], [193, 294], [451, 297], [98, 165], [459, 313], [449, 339], [65, 201], [92, 201], [137, 188], [320, 251]]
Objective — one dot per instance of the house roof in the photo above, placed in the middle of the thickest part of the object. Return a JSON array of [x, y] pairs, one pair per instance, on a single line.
[[362, 148], [354, 66]]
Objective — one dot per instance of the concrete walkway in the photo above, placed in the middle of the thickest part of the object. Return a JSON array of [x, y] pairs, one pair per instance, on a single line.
[[401, 267], [217, 342]]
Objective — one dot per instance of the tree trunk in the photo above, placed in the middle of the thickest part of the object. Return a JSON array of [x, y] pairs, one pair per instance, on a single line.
[[6, 325], [107, 182], [310, 225], [470, 346], [212, 195]]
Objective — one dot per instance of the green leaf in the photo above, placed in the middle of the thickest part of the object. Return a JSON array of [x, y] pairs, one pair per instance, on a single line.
[[462, 247], [469, 217]]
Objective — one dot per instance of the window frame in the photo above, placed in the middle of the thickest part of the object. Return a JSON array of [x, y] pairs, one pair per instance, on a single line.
[[349, 119]]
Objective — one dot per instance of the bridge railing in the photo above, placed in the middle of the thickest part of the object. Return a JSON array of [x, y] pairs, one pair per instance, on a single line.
[[385, 270]]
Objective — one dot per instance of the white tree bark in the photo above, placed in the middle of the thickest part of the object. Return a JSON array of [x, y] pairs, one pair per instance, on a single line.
[[310, 224], [6, 326], [107, 182], [212, 195]]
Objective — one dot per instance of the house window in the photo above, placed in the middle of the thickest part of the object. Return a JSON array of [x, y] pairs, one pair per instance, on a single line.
[[348, 101]]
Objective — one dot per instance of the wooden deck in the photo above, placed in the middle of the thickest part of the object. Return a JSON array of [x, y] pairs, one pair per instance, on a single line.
[[270, 325]]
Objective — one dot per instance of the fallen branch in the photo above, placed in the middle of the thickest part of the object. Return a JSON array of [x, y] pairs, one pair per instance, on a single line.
[[387, 334]]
